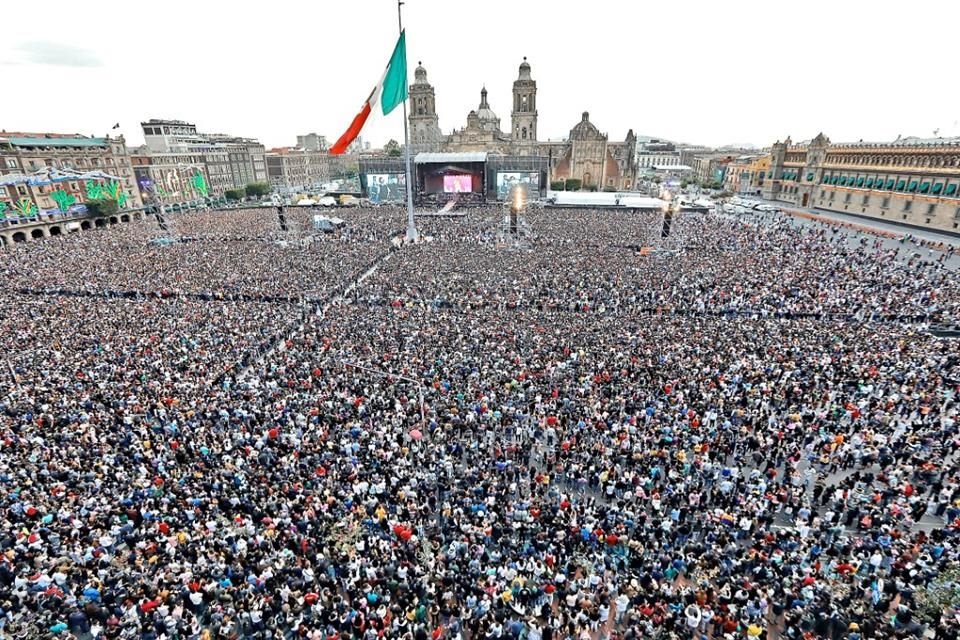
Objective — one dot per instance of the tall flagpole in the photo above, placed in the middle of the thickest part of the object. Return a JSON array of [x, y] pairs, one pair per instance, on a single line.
[[412, 234]]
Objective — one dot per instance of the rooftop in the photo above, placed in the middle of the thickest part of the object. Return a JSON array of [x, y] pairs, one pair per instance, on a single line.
[[163, 121], [58, 141], [466, 156]]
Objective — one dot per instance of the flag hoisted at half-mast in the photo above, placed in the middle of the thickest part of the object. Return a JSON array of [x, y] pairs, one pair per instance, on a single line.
[[390, 92]]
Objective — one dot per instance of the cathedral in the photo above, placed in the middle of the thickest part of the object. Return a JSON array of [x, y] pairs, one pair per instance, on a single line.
[[586, 155]]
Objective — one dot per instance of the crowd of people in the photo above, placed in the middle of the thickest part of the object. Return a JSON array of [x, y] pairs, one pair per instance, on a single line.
[[252, 432]]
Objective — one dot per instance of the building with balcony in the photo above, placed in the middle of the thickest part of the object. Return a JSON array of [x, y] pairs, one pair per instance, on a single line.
[[914, 181], [229, 162], [290, 170], [27, 153]]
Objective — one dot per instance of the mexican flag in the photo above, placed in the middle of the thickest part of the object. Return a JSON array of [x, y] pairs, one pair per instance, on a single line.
[[385, 97]]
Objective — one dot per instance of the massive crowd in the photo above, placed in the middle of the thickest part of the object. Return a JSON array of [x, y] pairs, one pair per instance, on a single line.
[[268, 433]]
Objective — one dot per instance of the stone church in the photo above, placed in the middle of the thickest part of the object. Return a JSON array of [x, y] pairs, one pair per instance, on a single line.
[[587, 154]]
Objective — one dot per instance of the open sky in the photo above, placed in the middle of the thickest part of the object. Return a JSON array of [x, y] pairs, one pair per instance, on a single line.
[[699, 71]]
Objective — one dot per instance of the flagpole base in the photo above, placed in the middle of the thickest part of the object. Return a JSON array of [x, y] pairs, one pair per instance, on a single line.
[[412, 234]]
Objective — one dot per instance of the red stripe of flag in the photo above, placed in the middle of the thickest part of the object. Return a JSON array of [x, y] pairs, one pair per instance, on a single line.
[[352, 131]]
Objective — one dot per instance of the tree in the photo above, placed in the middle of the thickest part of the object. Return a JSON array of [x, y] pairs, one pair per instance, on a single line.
[[102, 207], [940, 594], [557, 185], [392, 148], [234, 194], [257, 189], [657, 179], [573, 184]]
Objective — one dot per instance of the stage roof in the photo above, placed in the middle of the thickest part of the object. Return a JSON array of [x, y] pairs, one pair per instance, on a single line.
[[467, 156]]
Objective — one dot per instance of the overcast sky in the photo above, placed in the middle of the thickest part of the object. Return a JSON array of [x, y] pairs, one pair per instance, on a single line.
[[698, 71]]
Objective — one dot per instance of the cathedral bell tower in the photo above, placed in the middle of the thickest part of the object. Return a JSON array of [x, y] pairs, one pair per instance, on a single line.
[[425, 134], [523, 118]]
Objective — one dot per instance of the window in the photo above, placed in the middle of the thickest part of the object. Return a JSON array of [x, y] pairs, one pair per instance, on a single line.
[[832, 194], [908, 205], [931, 209], [886, 203], [956, 215], [866, 200], [849, 196], [11, 163]]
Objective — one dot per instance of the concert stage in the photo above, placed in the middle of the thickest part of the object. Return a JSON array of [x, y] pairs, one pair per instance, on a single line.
[[442, 177], [467, 179]]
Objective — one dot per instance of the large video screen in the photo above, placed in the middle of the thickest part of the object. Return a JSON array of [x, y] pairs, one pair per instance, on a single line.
[[506, 180], [457, 184], [386, 187]]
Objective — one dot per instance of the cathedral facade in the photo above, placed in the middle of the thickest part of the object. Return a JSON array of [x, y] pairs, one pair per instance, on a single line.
[[586, 155]]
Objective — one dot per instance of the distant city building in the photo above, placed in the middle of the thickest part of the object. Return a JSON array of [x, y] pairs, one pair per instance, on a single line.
[[586, 154], [312, 142], [738, 176], [689, 153], [26, 153], [910, 180], [175, 151], [711, 167], [296, 169]]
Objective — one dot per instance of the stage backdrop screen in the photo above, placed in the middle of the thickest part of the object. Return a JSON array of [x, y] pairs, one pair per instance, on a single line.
[[457, 184], [506, 180], [386, 187]]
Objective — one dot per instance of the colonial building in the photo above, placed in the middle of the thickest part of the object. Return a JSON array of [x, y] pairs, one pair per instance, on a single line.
[[591, 158], [911, 180], [586, 155], [175, 151], [29, 153]]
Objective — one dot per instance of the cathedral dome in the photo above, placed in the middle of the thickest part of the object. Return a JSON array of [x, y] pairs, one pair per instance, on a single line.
[[585, 130], [488, 119]]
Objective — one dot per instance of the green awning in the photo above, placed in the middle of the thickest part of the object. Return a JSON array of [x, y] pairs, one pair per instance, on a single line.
[[937, 188], [951, 189], [901, 185], [783, 176], [836, 180], [869, 183], [889, 184], [843, 180], [809, 177], [860, 181], [912, 186], [925, 187], [825, 179]]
